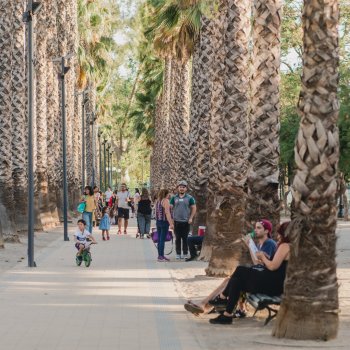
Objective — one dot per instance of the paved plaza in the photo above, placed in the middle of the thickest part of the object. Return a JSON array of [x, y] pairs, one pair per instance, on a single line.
[[127, 300]]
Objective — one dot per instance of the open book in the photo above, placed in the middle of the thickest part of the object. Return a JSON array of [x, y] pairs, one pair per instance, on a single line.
[[253, 248]]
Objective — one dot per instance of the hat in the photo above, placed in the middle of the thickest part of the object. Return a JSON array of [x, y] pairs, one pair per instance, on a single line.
[[182, 183], [267, 225]]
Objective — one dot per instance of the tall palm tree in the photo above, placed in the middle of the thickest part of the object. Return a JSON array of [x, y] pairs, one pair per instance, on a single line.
[[53, 112], [263, 201], [310, 304], [6, 181], [41, 188], [19, 120], [228, 142], [202, 76]]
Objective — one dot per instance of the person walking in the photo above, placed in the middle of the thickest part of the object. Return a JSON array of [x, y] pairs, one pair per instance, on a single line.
[[137, 198], [123, 208], [105, 223], [108, 195], [164, 221], [144, 213], [90, 207], [184, 209]]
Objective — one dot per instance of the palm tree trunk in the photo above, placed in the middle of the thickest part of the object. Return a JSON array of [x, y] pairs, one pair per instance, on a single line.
[[310, 305], [42, 190], [19, 119], [165, 165], [203, 57], [6, 182], [263, 200], [53, 112], [182, 127], [157, 150], [227, 197], [214, 95]]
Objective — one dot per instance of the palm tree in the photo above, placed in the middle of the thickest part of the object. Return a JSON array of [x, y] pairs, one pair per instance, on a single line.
[[6, 181], [310, 305], [41, 190], [263, 201], [18, 110], [202, 76], [53, 113], [228, 141]]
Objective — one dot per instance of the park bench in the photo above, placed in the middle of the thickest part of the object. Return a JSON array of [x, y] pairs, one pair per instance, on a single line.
[[263, 301]]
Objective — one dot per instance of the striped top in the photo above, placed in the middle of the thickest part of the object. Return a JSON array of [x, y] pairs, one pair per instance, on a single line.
[[160, 212]]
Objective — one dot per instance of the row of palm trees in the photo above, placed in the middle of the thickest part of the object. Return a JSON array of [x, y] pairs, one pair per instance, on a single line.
[[225, 141], [56, 34]]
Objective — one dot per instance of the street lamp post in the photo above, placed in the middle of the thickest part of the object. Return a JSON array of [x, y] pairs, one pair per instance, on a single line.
[[32, 9], [85, 100], [61, 76], [104, 163], [100, 157], [111, 170], [93, 148], [108, 170]]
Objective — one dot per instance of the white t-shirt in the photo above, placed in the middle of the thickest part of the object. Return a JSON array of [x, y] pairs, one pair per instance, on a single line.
[[82, 236], [108, 194], [122, 199], [136, 198]]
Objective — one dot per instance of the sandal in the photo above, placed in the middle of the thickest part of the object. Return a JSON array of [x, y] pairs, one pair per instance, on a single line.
[[193, 308]]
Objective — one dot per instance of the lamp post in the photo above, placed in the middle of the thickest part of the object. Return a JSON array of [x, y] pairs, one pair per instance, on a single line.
[[84, 102], [32, 9], [104, 163], [61, 76], [111, 170], [108, 172], [100, 156], [93, 148]]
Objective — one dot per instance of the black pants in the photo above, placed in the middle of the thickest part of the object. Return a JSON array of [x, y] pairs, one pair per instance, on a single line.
[[248, 279], [181, 233], [194, 244]]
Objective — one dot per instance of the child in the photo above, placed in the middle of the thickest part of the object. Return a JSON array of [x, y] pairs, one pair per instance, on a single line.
[[105, 224], [82, 237]]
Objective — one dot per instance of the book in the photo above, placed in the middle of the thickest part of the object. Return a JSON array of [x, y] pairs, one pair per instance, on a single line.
[[253, 248]]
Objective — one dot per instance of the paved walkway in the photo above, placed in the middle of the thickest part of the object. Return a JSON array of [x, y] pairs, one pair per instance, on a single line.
[[125, 300]]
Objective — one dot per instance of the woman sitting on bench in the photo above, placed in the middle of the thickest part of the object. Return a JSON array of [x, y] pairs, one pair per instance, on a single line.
[[268, 281], [263, 229]]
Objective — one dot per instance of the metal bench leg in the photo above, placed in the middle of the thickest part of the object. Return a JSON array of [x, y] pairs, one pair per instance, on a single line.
[[272, 314]]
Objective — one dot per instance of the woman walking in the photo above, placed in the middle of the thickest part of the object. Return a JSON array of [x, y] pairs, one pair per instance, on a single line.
[[164, 221], [144, 213], [90, 206]]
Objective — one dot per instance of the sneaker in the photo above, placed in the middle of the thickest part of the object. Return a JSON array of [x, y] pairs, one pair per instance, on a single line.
[[165, 258], [222, 319], [178, 256], [239, 314], [218, 302], [191, 258], [185, 256], [160, 259]]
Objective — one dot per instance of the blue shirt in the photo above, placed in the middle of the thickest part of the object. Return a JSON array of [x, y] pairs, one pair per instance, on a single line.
[[269, 247]]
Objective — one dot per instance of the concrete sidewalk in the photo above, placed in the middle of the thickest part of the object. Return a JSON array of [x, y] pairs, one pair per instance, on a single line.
[[124, 300]]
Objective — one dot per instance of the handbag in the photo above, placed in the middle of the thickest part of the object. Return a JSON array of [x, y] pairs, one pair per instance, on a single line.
[[169, 237], [81, 207]]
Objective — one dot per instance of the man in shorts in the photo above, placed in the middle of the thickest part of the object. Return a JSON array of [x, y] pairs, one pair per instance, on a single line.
[[122, 202]]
